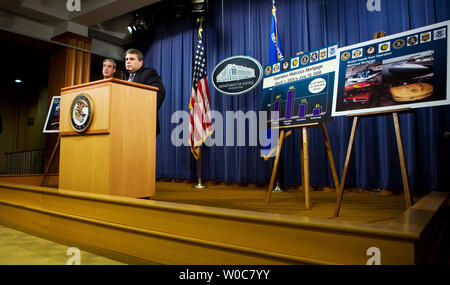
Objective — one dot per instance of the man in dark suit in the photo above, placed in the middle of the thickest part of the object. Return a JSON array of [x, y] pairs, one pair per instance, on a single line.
[[135, 72]]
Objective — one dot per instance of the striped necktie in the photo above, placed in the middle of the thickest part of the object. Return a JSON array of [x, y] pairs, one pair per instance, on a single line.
[[131, 79]]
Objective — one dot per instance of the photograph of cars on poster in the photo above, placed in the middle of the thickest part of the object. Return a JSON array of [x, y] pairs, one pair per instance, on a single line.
[[299, 90], [406, 70]]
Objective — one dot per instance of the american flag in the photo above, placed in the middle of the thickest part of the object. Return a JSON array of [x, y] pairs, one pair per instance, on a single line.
[[200, 126]]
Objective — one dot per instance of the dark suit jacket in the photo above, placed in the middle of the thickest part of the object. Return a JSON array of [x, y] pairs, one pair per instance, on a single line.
[[149, 76]]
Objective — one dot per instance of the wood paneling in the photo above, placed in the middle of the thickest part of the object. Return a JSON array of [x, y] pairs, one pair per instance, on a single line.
[[67, 66], [79, 63], [56, 80], [87, 63], [71, 58]]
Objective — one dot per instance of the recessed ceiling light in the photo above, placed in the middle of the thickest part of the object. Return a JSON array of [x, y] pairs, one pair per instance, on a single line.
[[18, 81]]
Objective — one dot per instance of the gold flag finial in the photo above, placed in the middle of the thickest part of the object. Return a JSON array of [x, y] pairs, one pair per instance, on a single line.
[[200, 28]]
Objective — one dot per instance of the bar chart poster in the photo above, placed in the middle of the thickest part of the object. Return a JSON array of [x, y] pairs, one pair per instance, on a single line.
[[299, 90], [405, 70]]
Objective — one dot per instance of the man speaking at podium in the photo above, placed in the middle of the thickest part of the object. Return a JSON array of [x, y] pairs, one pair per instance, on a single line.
[[135, 72]]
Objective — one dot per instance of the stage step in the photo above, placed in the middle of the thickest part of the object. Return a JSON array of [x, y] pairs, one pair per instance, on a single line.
[[175, 233]]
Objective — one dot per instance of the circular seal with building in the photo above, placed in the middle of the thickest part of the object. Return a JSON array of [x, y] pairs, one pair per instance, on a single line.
[[81, 112], [237, 75]]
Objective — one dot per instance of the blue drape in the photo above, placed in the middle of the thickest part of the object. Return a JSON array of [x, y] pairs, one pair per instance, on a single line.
[[303, 25]]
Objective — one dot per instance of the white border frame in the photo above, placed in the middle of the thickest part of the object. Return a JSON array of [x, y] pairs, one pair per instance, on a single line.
[[394, 107]]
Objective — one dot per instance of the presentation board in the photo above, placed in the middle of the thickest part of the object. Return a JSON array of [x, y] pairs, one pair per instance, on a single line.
[[299, 90], [405, 70], [52, 122]]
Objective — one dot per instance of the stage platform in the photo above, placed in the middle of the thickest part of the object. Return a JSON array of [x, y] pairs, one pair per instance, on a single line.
[[232, 224], [364, 207]]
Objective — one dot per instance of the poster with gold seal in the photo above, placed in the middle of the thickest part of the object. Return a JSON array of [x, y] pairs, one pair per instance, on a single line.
[[405, 70], [300, 92]]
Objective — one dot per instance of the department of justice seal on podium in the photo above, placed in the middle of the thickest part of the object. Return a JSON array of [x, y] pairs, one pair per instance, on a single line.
[[81, 112]]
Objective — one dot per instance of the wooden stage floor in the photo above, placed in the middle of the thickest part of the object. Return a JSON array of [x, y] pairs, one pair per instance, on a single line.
[[365, 207], [231, 224]]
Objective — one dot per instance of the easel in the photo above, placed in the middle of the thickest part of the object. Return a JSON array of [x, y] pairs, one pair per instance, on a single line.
[[52, 158], [304, 159], [408, 197]]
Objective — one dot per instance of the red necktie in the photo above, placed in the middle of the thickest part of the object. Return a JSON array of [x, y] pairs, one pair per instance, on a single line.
[[131, 77]]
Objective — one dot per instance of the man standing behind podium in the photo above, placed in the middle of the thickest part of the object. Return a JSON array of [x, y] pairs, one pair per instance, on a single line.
[[134, 60], [109, 68]]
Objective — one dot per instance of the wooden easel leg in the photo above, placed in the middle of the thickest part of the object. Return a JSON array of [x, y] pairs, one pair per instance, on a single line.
[[305, 166], [50, 162], [401, 154], [347, 160], [330, 157], [301, 161], [275, 167]]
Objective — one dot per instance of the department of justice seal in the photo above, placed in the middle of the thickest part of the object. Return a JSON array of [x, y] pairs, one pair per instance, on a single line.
[[81, 112]]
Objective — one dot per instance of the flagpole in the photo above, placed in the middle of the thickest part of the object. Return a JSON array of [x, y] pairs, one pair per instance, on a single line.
[[199, 185], [200, 77], [277, 188]]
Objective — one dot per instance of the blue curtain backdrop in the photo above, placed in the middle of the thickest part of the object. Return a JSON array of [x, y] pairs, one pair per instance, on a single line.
[[303, 25]]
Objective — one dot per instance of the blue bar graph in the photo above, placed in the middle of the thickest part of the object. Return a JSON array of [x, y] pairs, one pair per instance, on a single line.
[[302, 110], [290, 103], [317, 111], [276, 109]]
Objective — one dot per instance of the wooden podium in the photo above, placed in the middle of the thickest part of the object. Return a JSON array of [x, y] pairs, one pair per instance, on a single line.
[[116, 154]]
